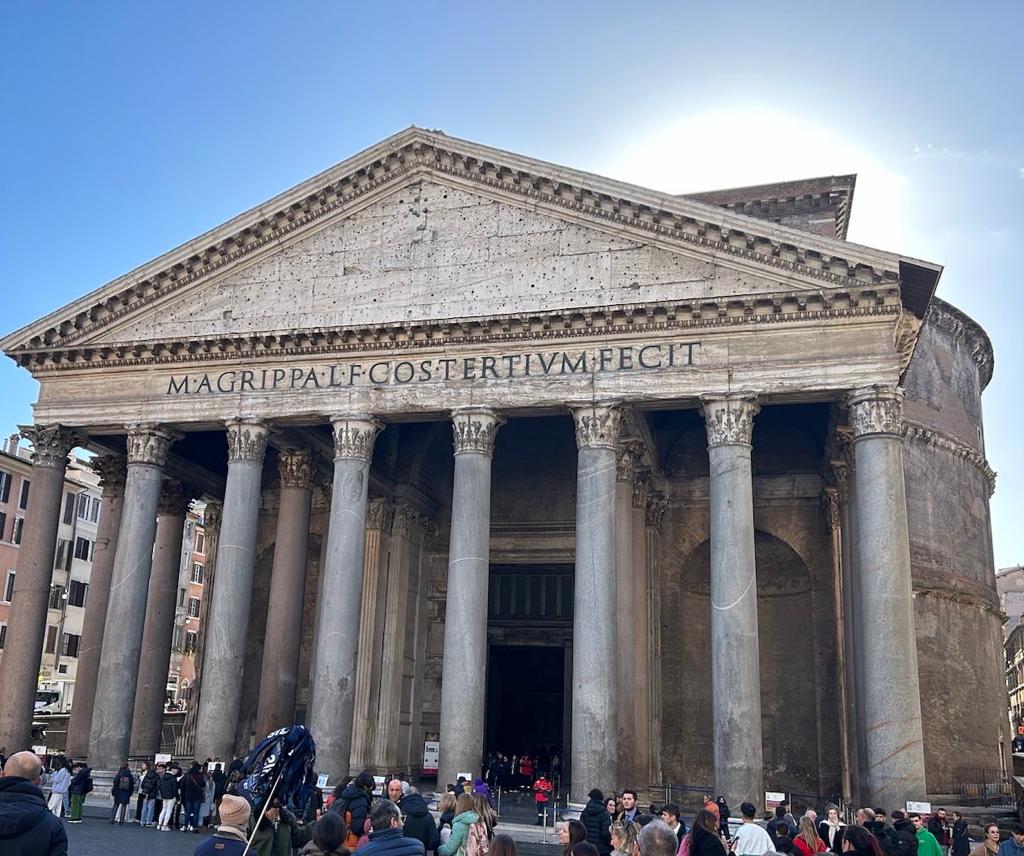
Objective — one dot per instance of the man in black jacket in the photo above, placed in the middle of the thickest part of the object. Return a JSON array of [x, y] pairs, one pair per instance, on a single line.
[[598, 822], [386, 838], [27, 828], [354, 806], [418, 822]]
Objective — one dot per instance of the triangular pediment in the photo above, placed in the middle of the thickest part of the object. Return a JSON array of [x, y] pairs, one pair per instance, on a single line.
[[424, 227]]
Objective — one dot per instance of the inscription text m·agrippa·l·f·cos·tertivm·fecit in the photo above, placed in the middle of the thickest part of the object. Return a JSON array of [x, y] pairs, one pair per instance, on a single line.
[[477, 367]]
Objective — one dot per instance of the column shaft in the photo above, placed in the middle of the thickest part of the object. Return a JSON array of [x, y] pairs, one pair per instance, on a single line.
[[110, 734], [654, 512], [893, 743], [625, 616], [26, 623], [279, 680], [464, 669], [228, 619], [112, 474], [594, 743], [735, 653], [640, 635], [158, 635], [333, 682]]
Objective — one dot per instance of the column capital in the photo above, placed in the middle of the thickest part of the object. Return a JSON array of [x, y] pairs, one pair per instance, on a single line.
[[474, 429], [729, 417], [597, 424], [412, 524], [149, 444], [876, 409], [247, 439], [112, 472], [212, 516], [641, 488], [354, 435], [830, 502], [380, 514], [627, 457], [655, 508], [51, 444], [295, 468], [172, 498]]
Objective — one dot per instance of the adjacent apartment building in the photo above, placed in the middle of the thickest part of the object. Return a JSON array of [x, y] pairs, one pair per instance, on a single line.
[[191, 588]]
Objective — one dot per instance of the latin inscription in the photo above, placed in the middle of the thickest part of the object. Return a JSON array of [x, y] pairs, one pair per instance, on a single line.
[[671, 355]]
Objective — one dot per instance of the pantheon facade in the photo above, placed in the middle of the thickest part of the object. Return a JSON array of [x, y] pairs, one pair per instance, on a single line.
[[687, 488]]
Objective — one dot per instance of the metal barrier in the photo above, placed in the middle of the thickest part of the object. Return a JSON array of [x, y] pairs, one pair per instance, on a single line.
[[981, 787]]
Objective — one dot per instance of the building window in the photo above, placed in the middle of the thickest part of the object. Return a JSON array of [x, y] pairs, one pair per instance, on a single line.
[[94, 510], [3, 524], [69, 647], [56, 596], [83, 506], [3, 634], [193, 607], [18, 531], [181, 597], [5, 485], [83, 548], [23, 498], [76, 593], [190, 642], [62, 669], [200, 543], [9, 587], [63, 553], [69, 508], [51, 639], [197, 574]]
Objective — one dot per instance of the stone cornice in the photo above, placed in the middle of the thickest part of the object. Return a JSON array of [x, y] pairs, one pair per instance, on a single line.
[[966, 330], [706, 313], [413, 154], [958, 448]]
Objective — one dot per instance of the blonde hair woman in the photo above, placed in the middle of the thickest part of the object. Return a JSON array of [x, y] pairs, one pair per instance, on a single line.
[[624, 833], [807, 842]]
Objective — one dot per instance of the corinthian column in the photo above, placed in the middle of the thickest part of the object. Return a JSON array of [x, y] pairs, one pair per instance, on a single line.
[[228, 620], [594, 742], [463, 677], [279, 680], [735, 651], [158, 634], [111, 470], [627, 618], [892, 739], [133, 561], [337, 633], [26, 624]]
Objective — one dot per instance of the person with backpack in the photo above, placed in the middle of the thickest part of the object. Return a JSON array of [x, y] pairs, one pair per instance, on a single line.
[[902, 837], [121, 790], [354, 807], [387, 838], [81, 785], [466, 821]]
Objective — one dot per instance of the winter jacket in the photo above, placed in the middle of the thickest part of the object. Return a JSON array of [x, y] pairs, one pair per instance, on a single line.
[[703, 843], [149, 784], [1007, 848], [961, 840], [282, 838], [446, 819], [226, 841], [193, 789], [418, 822], [27, 828], [391, 842], [81, 782], [801, 848], [219, 783], [124, 785], [901, 840], [312, 850], [460, 833], [167, 786], [598, 822], [60, 781], [832, 836], [356, 801], [939, 829], [928, 845]]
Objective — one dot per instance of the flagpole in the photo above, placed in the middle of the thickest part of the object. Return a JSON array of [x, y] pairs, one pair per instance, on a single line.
[[263, 811]]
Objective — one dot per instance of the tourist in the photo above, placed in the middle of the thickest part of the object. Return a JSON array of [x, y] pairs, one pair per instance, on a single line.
[[961, 841], [723, 817], [209, 792], [807, 842], [386, 838], [60, 780], [80, 785], [140, 797], [29, 829], [623, 834], [231, 836], [830, 830], [179, 801], [860, 841], [927, 844], [168, 791], [220, 782], [1014, 845], [542, 789], [488, 817], [598, 822], [611, 804], [990, 843], [630, 810], [354, 807], [193, 792], [656, 839], [278, 832], [503, 845], [779, 833], [328, 838], [710, 805], [121, 790], [938, 826], [465, 818], [901, 839], [670, 814], [705, 839], [394, 791], [149, 787], [584, 848], [751, 839], [446, 814], [571, 833], [418, 822]]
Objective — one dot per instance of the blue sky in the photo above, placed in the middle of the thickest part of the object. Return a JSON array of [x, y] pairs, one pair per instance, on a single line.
[[132, 127]]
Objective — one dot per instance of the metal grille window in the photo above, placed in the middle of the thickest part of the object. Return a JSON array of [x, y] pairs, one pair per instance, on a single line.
[[531, 593]]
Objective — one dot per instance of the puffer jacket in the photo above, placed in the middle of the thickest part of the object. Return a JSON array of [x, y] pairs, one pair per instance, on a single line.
[[356, 801], [598, 822], [27, 828], [168, 786], [460, 833], [81, 783], [418, 822], [149, 784]]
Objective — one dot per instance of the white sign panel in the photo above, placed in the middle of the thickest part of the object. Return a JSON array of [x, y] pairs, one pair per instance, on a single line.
[[773, 799], [431, 757], [321, 781], [39, 750], [919, 807], [162, 758]]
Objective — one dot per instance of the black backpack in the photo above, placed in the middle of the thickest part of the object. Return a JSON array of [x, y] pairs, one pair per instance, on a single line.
[[900, 842], [124, 783]]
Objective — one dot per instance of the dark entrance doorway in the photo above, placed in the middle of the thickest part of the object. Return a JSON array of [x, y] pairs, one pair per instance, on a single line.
[[525, 699]]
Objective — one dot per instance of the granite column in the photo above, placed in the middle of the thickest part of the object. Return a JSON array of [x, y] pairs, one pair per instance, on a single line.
[[626, 616], [110, 734], [26, 623], [280, 675], [594, 743], [735, 649], [893, 744], [333, 679], [464, 669], [228, 619]]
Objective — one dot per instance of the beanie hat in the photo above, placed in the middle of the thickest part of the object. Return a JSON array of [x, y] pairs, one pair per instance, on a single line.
[[234, 811]]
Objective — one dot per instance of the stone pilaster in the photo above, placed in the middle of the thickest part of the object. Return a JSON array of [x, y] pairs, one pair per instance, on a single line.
[[463, 686], [110, 736], [341, 593], [594, 726], [112, 471], [734, 639], [279, 678], [26, 623], [158, 633], [893, 743], [228, 619]]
